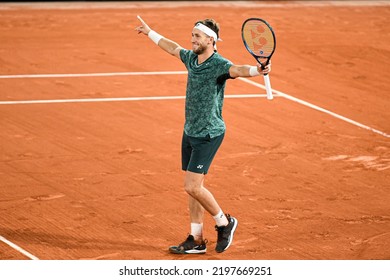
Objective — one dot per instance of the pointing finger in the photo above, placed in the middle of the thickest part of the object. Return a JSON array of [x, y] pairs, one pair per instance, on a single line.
[[141, 20]]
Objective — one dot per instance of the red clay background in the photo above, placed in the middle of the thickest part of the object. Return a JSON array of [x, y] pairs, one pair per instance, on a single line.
[[102, 180]]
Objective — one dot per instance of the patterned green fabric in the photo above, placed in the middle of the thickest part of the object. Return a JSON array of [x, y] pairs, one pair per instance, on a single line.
[[204, 96]]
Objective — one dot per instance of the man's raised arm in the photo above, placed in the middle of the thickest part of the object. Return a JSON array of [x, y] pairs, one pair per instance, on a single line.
[[167, 45]]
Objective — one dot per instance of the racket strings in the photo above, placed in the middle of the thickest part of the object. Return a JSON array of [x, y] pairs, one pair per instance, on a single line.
[[259, 38]]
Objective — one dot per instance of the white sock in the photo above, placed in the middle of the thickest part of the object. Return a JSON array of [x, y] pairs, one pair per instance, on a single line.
[[197, 231], [220, 219]]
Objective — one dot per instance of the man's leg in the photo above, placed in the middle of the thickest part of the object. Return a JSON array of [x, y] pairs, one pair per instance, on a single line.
[[194, 244], [198, 194], [196, 218], [197, 154], [200, 198]]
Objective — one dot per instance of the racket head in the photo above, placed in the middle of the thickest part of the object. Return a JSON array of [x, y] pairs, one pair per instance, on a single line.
[[259, 39]]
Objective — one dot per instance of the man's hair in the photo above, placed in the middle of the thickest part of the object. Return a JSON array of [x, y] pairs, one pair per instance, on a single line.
[[210, 23]]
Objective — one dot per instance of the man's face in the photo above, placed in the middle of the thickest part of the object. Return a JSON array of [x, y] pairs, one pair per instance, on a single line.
[[200, 41]]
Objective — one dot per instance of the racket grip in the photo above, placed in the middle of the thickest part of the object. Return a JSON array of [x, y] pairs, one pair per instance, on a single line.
[[268, 88]]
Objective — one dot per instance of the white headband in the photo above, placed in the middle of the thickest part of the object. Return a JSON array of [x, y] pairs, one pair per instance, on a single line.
[[207, 30]]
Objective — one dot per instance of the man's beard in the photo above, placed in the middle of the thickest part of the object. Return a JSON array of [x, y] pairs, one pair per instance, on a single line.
[[199, 50]]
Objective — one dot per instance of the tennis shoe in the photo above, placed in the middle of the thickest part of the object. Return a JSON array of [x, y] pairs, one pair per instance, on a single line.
[[225, 234], [189, 246]]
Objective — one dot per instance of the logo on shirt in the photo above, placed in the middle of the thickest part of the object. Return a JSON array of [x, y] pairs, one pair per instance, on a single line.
[[199, 166]]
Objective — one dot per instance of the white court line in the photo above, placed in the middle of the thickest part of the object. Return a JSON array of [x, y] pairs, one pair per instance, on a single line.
[[116, 99], [315, 107], [282, 94], [37, 76], [17, 248]]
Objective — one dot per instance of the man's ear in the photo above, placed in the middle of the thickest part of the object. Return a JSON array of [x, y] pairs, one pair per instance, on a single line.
[[211, 40]]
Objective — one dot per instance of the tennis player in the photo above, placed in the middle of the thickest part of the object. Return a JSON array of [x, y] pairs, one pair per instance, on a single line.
[[204, 128]]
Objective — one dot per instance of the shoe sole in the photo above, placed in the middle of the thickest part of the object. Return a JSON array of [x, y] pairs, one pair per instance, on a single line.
[[231, 235], [176, 250]]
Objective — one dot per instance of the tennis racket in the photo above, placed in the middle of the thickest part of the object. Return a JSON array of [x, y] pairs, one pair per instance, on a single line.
[[259, 40]]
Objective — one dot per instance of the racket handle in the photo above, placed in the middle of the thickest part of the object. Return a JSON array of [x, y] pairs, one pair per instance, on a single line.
[[268, 87]]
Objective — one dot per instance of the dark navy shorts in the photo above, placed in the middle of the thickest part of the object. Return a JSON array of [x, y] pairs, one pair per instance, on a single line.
[[197, 153]]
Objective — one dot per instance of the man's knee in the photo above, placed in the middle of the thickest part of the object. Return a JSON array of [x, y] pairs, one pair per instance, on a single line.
[[193, 183], [192, 188]]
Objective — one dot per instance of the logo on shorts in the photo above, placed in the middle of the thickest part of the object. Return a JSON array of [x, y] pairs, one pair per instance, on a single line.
[[199, 166]]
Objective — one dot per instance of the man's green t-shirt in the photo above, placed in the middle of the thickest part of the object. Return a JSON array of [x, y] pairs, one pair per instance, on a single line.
[[204, 95]]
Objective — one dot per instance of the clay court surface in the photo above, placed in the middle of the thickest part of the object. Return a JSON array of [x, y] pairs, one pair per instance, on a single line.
[[102, 179]]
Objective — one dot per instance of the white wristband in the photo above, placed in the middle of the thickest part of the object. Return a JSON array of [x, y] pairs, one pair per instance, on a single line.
[[253, 71], [154, 36]]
